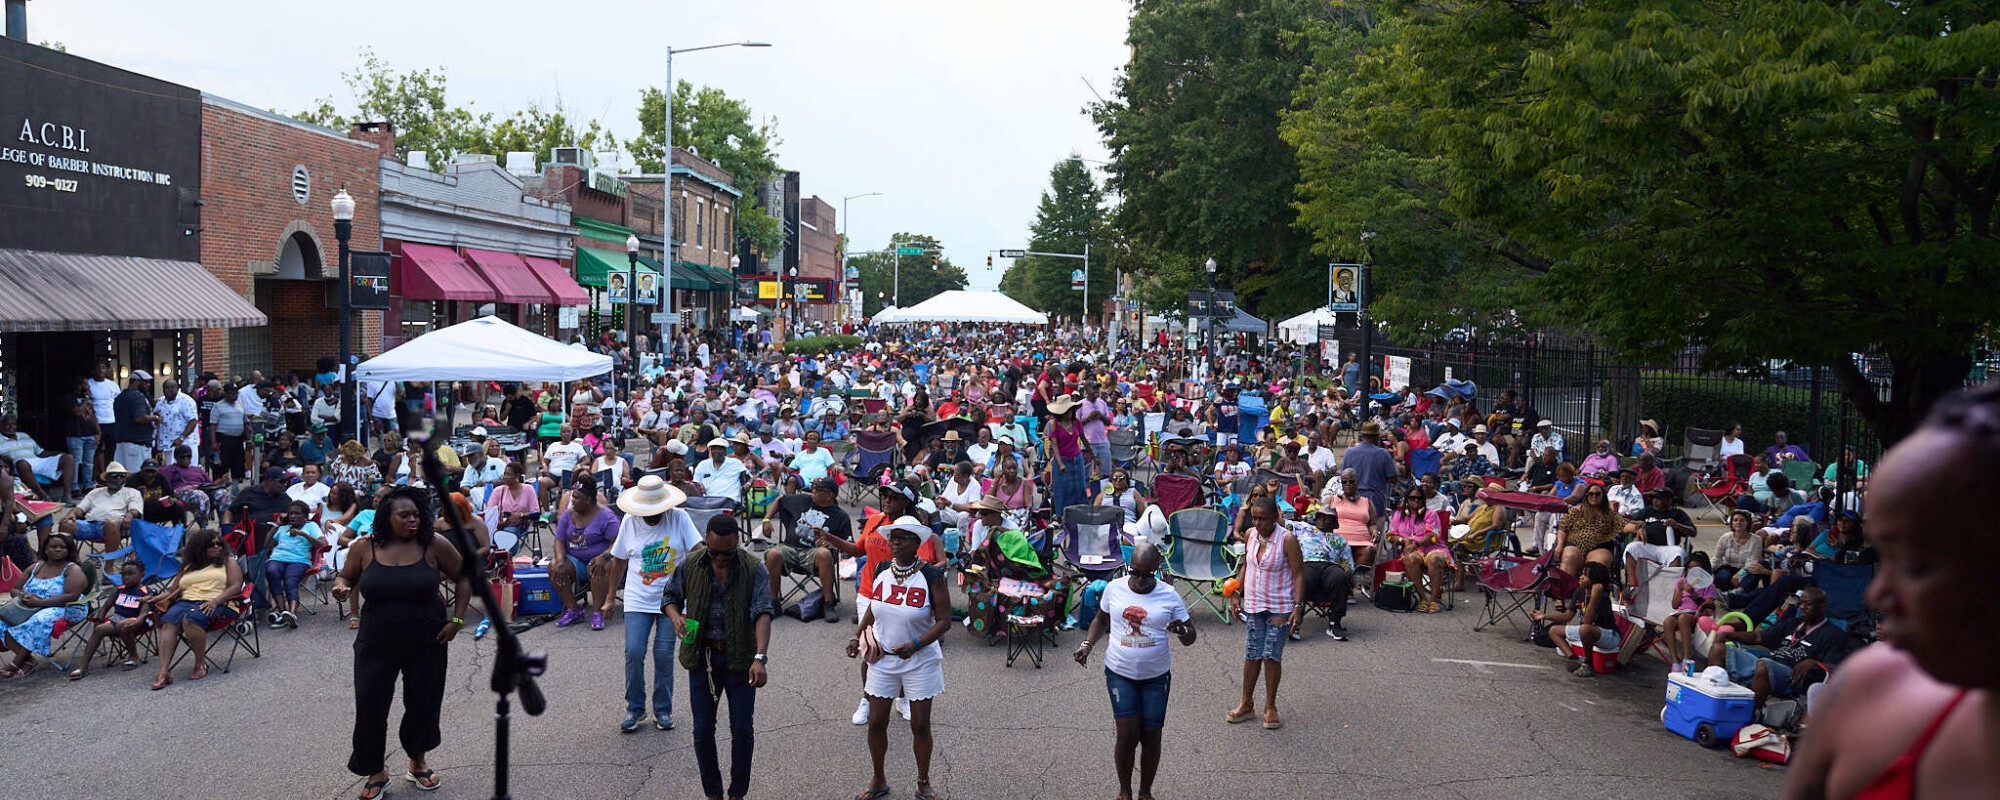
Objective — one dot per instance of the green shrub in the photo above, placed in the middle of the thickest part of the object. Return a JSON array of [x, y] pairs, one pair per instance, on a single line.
[[1678, 401], [814, 345]]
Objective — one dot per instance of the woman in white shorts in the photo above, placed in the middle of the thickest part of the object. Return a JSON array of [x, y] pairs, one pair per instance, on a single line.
[[898, 634]]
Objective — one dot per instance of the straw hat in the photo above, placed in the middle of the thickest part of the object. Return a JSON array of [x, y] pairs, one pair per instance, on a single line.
[[1478, 429], [114, 468], [651, 496], [952, 436], [1371, 428], [910, 525], [989, 503], [719, 442], [1062, 405]]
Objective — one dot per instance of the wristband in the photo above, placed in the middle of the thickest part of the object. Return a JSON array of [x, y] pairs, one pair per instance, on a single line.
[[457, 621]]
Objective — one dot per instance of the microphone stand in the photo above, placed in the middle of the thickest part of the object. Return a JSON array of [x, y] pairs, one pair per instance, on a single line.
[[514, 669]]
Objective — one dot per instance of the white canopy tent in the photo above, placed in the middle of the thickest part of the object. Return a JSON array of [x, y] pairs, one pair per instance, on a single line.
[[963, 306], [1305, 327], [484, 349]]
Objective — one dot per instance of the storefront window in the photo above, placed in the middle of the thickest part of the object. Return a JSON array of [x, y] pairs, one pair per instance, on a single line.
[[417, 316]]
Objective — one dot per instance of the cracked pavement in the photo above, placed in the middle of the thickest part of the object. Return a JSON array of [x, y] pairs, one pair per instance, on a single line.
[[1378, 716]]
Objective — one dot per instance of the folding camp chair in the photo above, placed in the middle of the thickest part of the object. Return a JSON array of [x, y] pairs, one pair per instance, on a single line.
[[240, 631], [1176, 492], [1718, 494], [156, 546], [1846, 587], [1699, 447], [1198, 554], [1803, 474], [1125, 449], [875, 452], [1091, 541], [1639, 623], [1425, 461], [1024, 619], [703, 508], [1512, 585]]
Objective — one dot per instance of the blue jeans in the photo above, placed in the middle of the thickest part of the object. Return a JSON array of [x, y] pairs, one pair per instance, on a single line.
[[1265, 636], [742, 733], [1069, 483], [85, 450], [1742, 666], [1146, 699], [285, 576], [638, 626]]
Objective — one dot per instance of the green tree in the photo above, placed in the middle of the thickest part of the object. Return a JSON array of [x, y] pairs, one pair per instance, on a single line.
[[1196, 155], [919, 277], [717, 127], [1071, 215], [1796, 180], [416, 103]]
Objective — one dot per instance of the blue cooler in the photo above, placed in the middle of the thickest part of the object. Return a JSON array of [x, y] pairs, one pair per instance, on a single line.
[[538, 593], [1706, 711]]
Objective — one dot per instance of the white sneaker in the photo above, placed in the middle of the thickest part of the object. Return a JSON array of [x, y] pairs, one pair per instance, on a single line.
[[861, 713], [903, 707]]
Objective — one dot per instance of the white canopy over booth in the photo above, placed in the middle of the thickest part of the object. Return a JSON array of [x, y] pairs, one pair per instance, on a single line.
[[484, 349], [1305, 327], [963, 306]]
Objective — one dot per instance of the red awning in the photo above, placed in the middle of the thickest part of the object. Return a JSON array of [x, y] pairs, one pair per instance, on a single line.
[[510, 276], [431, 272], [559, 283]]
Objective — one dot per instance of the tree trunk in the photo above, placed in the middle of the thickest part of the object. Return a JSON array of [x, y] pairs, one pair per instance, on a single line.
[[1918, 380]]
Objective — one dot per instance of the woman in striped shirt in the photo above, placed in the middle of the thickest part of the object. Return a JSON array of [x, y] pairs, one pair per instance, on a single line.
[[1270, 600]]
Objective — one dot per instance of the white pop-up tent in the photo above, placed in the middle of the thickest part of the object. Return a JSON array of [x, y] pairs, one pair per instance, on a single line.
[[484, 349], [963, 306], [1305, 327]]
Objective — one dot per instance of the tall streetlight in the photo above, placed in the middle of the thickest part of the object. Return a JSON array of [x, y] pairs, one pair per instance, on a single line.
[[632, 308], [1208, 314], [667, 169], [843, 245], [343, 230], [1367, 326], [798, 314]]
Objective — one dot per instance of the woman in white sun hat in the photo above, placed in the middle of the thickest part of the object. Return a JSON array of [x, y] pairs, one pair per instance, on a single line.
[[653, 539], [899, 634]]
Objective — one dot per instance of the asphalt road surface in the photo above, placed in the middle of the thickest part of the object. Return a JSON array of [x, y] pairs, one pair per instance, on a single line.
[[1415, 706]]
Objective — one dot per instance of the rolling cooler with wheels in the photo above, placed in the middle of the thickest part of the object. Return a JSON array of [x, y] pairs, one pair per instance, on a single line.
[[1706, 708]]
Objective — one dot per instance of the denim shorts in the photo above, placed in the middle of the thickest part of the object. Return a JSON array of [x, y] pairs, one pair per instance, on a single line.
[[1135, 698], [1265, 636], [190, 611], [88, 531], [1742, 665]]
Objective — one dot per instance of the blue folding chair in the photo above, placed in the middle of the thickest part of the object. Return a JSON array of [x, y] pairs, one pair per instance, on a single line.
[[1846, 588], [1425, 461], [1091, 540], [1198, 554], [157, 547]]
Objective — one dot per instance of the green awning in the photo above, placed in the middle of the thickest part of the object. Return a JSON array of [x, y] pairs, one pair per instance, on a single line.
[[691, 277], [721, 276], [592, 264]]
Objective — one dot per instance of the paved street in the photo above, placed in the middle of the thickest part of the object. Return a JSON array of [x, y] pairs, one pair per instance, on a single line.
[[1416, 706]]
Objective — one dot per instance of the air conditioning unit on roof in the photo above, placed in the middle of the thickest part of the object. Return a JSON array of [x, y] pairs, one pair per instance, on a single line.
[[571, 157]]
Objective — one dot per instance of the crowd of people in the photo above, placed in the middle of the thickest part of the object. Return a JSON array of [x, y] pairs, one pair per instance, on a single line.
[[678, 493]]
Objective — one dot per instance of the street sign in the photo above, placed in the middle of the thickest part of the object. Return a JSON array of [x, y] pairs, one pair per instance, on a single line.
[[909, 251], [661, 317], [1013, 253]]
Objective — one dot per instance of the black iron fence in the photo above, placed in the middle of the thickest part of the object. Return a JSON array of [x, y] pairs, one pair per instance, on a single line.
[[1590, 396]]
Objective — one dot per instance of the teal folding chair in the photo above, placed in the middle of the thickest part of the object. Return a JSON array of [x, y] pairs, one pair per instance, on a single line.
[[1198, 555]]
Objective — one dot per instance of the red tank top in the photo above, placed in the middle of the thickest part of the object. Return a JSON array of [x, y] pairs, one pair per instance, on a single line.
[[1899, 781]]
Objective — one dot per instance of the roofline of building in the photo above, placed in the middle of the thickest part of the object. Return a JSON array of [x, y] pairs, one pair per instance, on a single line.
[[245, 108]]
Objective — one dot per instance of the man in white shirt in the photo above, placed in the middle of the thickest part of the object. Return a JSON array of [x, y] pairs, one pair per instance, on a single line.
[[1452, 441], [309, 490], [768, 448], [107, 512], [1322, 460], [1546, 438], [178, 415], [720, 475], [1625, 498]]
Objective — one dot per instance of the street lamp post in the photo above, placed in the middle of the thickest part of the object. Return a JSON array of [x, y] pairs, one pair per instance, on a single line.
[[632, 309], [798, 315], [842, 299], [343, 230], [1208, 315], [1367, 326], [667, 169]]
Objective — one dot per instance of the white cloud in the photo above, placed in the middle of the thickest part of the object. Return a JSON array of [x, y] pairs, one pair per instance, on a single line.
[[954, 111]]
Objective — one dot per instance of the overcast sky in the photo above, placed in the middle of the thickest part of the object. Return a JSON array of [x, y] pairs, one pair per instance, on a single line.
[[953, 111]]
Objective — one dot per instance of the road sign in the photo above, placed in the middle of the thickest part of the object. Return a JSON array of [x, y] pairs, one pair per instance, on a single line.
[[1013, 253], [909, 251], [661, 316]]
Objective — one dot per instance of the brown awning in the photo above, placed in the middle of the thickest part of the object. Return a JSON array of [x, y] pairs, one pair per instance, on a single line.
[[42, 291]]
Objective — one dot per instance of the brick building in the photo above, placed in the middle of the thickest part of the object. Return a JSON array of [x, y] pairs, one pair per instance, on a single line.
[[267, 233], [819, 259], [704, 207]]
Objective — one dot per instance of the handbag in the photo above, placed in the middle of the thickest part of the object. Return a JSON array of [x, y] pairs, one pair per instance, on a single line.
[[1396, 596], [15, 613]]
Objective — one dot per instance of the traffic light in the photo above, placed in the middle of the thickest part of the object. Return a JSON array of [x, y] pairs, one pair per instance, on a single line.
[[989, 260], [934, 260]]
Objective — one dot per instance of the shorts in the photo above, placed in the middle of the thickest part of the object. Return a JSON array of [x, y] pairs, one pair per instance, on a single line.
[[1607, 638], [1146, 699], [798, 559], [88, 531], [1265, 635], [1742, 665], [47, 467], [190, 611], [919, 683], [1656, 553]]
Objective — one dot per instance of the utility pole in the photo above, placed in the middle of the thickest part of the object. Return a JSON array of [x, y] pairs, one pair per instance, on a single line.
[[1367, 326]]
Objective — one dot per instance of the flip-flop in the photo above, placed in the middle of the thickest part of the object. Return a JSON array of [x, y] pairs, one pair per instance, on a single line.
[[379, 788], [418, 779], [924, 792], [1234, 718], [874, 793]]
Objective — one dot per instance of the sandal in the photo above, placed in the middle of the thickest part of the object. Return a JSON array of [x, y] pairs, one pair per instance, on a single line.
[[1273, 723], [200, 671], [1234, 717], [374, 789], [426, 780], [924, 791], [162, 683], [873, 793], [76, 674], [128, 664]]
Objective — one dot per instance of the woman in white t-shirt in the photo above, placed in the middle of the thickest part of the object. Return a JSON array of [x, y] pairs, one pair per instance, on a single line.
[[911, 610], [1138, 612]]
